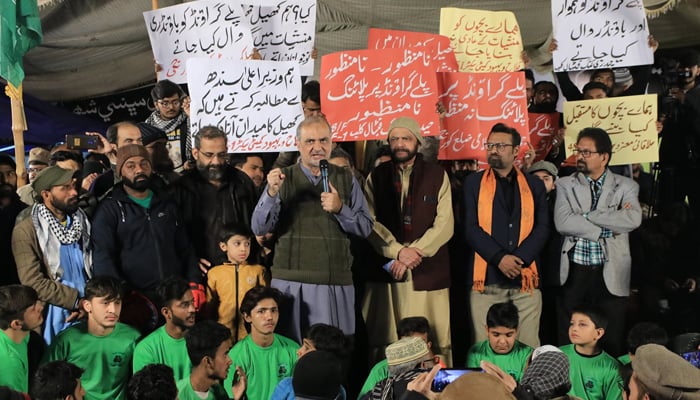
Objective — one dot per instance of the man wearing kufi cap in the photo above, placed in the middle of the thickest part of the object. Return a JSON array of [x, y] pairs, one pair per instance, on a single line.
[[411, 201], [137, 233], [52, 248]]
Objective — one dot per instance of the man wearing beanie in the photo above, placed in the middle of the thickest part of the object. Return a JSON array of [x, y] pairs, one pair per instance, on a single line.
[[660, 374], [137, 233], [52, 248], [411, 202], [318, 376], [119, 134]]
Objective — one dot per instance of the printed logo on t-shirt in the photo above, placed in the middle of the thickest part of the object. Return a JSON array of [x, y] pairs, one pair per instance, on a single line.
[[590, 384], [282, 371], [116, 359]]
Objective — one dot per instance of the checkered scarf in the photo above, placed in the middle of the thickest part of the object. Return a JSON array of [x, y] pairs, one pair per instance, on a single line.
[[548, 375]]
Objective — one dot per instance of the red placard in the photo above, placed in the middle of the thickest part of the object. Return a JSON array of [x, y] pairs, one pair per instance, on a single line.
[[543, 128], [475, 102], [441, 52], [363, 91]]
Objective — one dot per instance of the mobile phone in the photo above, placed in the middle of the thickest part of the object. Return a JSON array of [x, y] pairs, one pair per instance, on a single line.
[[82, 142], [692, 357], [446, 376]]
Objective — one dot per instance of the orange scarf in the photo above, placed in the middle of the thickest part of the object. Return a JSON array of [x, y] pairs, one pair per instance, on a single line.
[[487, 191]]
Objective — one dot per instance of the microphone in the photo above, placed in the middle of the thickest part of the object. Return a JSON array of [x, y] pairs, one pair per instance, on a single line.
[[324, 175]]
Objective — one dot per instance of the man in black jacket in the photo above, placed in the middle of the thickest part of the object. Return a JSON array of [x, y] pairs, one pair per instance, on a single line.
[[137, 233], [212, 195]]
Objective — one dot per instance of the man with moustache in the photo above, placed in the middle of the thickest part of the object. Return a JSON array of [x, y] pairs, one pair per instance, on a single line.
[[212, 195], [412, 203], [52, 248], [137, 233], [507, 226], [594, 211], [312, 254]]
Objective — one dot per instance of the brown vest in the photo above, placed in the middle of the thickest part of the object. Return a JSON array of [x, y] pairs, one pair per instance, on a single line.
[[426, 179]]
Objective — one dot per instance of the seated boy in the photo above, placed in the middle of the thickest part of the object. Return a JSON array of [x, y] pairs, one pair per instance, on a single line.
[[208, 346], [594, 373], [264, 356], [407, 327], [502, 347], [641, 334], [102, 346]]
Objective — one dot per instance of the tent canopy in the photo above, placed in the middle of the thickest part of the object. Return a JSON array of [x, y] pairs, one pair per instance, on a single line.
[[92, 48]]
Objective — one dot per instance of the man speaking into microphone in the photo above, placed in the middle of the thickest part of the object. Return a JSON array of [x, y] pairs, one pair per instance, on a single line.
[[312, 207]]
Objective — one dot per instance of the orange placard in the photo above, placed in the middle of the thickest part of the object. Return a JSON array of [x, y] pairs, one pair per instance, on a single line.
[[442, 53], [543, 128], [475, 102], [363, 91]]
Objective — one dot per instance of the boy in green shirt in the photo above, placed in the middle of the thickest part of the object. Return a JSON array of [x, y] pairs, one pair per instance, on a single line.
[[152, 382], [643, 333], [594, 373], [103, 346], [208, 346], [166, 345], [502, 347], [264, 356], [20, 312], [58, 380]]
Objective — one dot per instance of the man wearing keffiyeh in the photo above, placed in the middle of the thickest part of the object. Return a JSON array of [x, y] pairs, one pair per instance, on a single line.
[[52, 248]]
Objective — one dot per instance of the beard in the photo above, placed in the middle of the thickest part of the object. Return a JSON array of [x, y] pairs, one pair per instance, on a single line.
[[68, 207], [544, 107], [582, 167], [496, 162], [141, 182], [211, 172], [407, 155], [181, 323]]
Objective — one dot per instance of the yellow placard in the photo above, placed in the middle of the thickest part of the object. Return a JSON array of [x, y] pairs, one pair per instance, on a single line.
[[629, 120], [483, 41]]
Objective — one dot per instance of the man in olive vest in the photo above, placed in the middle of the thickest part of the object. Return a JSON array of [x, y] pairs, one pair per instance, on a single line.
[[412, 203], [312, 257]]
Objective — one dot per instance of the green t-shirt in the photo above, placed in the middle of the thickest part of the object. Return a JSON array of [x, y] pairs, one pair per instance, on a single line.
[[513, 363], [14, 363], [265, 367], [161, 348], [379, 372], [145, 202], [185, 391], [105, 359], [593, 377], [624, 359]]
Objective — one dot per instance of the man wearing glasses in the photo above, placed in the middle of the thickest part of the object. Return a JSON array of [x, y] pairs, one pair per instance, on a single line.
[[507, 226], [595, 209], [172, 116]]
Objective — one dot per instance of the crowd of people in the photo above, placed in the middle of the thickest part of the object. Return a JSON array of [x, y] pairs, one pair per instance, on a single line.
[[159, 266]]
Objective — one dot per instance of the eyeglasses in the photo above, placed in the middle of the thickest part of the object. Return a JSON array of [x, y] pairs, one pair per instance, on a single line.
[[499, 146], [166, 104], [585, 152]]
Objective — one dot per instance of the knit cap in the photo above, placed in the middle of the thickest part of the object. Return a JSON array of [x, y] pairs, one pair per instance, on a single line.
[[317, 375], [406, 350], [408, 123], [150, 133], [130, 150], [666, 374]]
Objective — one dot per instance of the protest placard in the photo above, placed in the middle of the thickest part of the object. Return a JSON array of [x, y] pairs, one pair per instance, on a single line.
[[284, 30], [600, 34], [543, 129], [474, 102], [483, 41], [257, 103], [629, 120], [443, 56], [363, 91], [204, 28]]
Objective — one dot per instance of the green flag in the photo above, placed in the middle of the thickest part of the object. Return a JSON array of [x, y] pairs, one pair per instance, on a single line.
[[20, 30]]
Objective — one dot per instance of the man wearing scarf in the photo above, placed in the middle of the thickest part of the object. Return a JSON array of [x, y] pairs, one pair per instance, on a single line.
[[411, 202], [171, 116], [51, 248], [507, 225]]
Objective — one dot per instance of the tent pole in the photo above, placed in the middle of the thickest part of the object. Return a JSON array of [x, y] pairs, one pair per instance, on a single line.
[[19, 125]]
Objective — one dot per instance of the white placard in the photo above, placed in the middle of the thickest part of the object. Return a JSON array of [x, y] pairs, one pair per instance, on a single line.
[[600, 34], [257, 103], [204, 28], [284, 30]]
